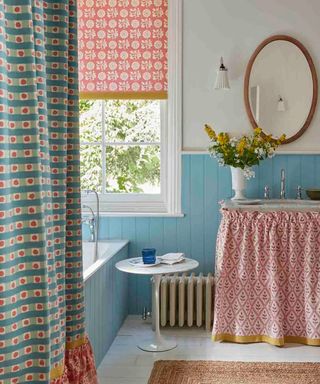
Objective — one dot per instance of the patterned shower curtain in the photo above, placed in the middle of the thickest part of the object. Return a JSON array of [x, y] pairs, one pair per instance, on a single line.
[[42, 335]]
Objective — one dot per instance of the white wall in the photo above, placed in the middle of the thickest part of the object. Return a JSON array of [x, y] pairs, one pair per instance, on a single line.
[[233, 29]]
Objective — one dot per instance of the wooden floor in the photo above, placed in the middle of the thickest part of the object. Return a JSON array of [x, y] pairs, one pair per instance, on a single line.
[[126, 364]]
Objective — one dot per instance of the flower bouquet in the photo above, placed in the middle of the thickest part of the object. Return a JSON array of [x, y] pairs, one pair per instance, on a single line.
[[242, 153]]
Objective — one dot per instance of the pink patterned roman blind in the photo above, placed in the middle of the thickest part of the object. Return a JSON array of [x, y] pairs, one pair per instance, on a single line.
[[123, 49]]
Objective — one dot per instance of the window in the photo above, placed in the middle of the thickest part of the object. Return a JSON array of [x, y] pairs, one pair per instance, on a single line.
[[130, 146], [121, 146]]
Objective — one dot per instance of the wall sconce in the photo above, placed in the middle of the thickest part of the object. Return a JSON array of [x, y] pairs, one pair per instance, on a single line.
[[222, 81], [281, 105]]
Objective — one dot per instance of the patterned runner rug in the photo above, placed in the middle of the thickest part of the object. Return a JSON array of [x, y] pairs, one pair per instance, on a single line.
[[226, 372]]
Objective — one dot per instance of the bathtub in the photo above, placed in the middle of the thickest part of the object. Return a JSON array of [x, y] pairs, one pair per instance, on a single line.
[[106, 250]]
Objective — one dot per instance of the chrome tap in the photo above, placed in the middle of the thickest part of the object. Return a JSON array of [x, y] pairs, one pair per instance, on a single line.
[[267, 192], [283, 184], [91, 221], [299, 192]]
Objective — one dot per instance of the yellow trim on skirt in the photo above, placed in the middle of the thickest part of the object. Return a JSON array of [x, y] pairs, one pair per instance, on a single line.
[[265, 339]]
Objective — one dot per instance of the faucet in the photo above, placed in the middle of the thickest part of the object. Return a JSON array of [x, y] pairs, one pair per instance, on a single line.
[[283, 184], [267, 192], [299, 192], [93, 222]]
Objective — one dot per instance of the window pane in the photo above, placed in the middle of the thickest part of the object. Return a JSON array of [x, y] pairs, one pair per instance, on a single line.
[[133, 169], [91, 167], [90, 121], [132, 120]]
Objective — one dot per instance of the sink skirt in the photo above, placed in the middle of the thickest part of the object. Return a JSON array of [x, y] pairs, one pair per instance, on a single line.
[[268, 278]]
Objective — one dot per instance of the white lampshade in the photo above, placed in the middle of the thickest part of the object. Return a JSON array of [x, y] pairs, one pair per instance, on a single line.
[[281, 105], [222, 80]]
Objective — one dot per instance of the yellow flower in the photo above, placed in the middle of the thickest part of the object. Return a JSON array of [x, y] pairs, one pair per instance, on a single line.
[[268, 138], [241, 146], [210, 132], [282, 138], [257, 140], [223, 138], [257, 131]]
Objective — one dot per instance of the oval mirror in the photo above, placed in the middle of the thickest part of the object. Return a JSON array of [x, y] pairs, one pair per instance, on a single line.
[[281, 87]]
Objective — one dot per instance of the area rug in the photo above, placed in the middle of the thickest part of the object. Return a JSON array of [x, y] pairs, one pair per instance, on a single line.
[[224, 372]]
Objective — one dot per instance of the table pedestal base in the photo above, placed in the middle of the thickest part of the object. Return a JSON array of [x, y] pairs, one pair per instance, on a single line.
[[157, 344]]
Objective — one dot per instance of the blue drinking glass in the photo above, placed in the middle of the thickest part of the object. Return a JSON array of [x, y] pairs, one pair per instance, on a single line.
[[149, 255]]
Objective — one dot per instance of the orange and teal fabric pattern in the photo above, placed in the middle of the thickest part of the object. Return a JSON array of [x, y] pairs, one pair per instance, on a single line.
[[42, 332]]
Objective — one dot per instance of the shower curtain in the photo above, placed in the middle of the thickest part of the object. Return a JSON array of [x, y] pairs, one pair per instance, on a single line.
[[42, 334]]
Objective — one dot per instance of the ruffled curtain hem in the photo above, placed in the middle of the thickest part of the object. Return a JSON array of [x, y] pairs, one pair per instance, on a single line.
[[79, 366]]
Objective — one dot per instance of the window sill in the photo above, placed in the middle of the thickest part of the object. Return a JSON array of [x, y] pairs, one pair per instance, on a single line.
[[133, 206], [141, 214]]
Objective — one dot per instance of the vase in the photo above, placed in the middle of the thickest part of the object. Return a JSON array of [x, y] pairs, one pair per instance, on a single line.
[[238, 183]]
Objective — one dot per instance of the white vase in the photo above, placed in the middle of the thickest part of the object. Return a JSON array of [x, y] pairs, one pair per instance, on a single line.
[[238, 183]]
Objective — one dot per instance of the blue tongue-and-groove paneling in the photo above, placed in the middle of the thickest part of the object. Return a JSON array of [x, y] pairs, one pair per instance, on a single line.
[[204, 184]]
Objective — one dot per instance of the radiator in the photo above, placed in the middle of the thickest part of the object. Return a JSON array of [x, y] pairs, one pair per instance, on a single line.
[[186, 300]]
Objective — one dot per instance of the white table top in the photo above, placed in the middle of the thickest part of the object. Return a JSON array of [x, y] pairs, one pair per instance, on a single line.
[[160, 269]]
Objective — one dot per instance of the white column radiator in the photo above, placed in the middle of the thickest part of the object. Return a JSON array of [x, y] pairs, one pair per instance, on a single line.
[[186, 300]]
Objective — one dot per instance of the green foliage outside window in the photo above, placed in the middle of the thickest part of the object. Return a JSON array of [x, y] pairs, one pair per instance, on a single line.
[[132, 153]]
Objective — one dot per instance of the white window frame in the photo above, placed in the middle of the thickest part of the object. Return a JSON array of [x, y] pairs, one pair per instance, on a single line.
[[168, 202]]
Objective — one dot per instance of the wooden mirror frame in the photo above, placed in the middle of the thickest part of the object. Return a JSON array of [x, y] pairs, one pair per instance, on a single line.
[[314, 81]]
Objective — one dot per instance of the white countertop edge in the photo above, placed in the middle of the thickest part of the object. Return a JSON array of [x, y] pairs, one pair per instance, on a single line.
[[288, 205], [101, 261], [275, 209]]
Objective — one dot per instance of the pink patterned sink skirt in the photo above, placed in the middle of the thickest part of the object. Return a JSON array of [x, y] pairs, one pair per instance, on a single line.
[[268, 278]]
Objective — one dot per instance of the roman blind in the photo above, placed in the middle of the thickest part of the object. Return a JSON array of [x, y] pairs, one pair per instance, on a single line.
[[123, 49]]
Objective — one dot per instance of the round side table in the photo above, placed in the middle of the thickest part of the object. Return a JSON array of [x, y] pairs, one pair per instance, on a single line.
[[157, 343]]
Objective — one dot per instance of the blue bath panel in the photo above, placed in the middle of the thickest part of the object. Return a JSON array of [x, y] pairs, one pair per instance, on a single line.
[[106, 301]]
